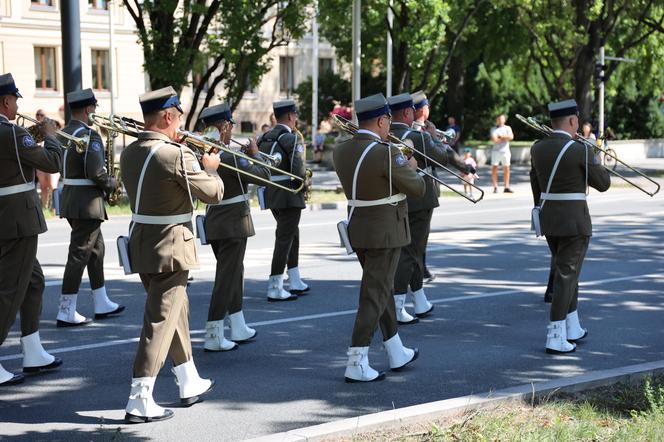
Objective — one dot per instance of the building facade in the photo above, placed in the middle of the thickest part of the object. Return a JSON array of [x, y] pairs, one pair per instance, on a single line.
[[31, 49]]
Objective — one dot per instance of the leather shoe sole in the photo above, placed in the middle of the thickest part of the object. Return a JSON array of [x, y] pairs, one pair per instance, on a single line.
[[292, 297], [55, 364], [299, 292], [17, 379], [585, 334], [425, 314], [235, 347], [415, 356], [244, 341], [380, 377], [558, 352], [133, 419], [189, 401], [118, 310], [413, 321], [60, 323]]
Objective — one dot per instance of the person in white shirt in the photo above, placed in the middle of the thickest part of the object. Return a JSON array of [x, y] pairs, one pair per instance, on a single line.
[[501, 135], [588, 131]]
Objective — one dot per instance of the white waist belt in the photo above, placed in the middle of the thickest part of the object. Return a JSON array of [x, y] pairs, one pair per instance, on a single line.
[[428, 170], [563, 196], [383, 201], [78, 182], [235, 199], [280, 178], [17, 188], [161, 220]]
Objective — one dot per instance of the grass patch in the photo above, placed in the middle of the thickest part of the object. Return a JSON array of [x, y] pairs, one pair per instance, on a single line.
[[622, 412]]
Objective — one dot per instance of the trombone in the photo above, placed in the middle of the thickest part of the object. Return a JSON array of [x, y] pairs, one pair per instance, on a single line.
[[351, 128], [546, 130], [81, 144], [274, 160], [202, 144]]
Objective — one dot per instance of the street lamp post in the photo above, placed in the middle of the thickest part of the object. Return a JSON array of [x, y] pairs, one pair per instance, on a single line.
[[357, 48]]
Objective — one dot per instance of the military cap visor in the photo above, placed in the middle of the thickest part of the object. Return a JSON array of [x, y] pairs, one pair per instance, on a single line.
[[283, 107], [214, 114], [81, 99], [8, 86], [160, 99], [419, 100], [563, 109], [401, 101], [371, 107]]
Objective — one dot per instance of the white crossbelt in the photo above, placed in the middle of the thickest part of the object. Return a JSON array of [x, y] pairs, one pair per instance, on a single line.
[[280, 178], [17, 188], [78, 182], [383, 201], [236, 199], [562, 196], [161, 220]]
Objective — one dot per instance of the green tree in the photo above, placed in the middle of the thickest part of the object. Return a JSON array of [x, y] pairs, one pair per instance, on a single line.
[[331, 87]]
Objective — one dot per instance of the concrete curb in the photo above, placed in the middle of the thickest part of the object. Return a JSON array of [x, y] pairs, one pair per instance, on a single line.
[[461, 405]]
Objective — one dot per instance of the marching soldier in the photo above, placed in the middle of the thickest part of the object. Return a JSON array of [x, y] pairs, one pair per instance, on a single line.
[[561, 170], [228, 224], [376, 178], [85, 181], [162, 178], [410, 271], [285, 206], [21, 220]]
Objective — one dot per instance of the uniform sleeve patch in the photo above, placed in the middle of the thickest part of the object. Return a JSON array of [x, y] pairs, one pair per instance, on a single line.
[[243, 162], [300, 148], [401, 160], [28, 141], [95, 146]]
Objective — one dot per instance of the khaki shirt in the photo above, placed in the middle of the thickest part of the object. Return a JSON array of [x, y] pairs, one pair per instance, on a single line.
[[565, 218], [384, 226], [234, 220], [165, 248], [85, 202], [20, 156], [287, 144]]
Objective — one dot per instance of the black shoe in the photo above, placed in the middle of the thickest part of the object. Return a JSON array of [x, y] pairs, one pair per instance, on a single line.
[[425, 314], [17, 379], [60, 323], [415, 356], [118, 310], [380, 377], [508, 190], [189, 401], [292, 297], [133, 419], [55, 364]]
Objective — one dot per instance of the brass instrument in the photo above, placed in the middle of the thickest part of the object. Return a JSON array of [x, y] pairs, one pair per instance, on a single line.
[[81, 144], [546, 130], [447, 136], [308, 182], [200, 143], [113, 197], [275, 159], [351, 128]]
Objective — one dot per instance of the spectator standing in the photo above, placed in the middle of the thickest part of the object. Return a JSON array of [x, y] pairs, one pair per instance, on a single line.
[[452, 124], [319, 145], [470, 177], [501, 135], [588, 131]]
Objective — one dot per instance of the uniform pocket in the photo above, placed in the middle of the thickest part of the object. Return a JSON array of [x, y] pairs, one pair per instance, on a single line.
[[189, 247]]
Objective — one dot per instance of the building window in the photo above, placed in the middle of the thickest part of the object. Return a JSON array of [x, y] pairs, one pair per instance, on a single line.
[[98, 4], [286, 75], [324, 65], [41, 3], [101, 73], [45, 68]]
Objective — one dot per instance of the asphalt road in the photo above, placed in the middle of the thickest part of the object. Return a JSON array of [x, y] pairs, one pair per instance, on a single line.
[[487, 331]]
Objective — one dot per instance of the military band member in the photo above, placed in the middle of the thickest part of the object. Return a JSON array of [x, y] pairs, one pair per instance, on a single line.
[[162, 178], [21, 220], [85, 181], [228, 224], [410, 270], [564, 217], [376, 178], [286, 207]]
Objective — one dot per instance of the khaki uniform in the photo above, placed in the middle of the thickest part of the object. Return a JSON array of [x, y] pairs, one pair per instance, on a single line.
[[286, 207], [164, 254], [566, 224], [227, 227], [83, 206], [410, 270], [21, 220], [376, 233]]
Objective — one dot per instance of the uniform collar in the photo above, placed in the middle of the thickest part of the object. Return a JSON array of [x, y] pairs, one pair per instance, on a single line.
[[283, 125], [4, 118], [81, 123], [401, 125], [151, 135], [562, 132], [368, 132]]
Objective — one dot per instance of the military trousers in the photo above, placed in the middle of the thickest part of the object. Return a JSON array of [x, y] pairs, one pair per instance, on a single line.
[[165, 323], [287, 240], [229, 280], [376, 306], [410, 270], [21, 285], [567, 254], [86, 250]]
